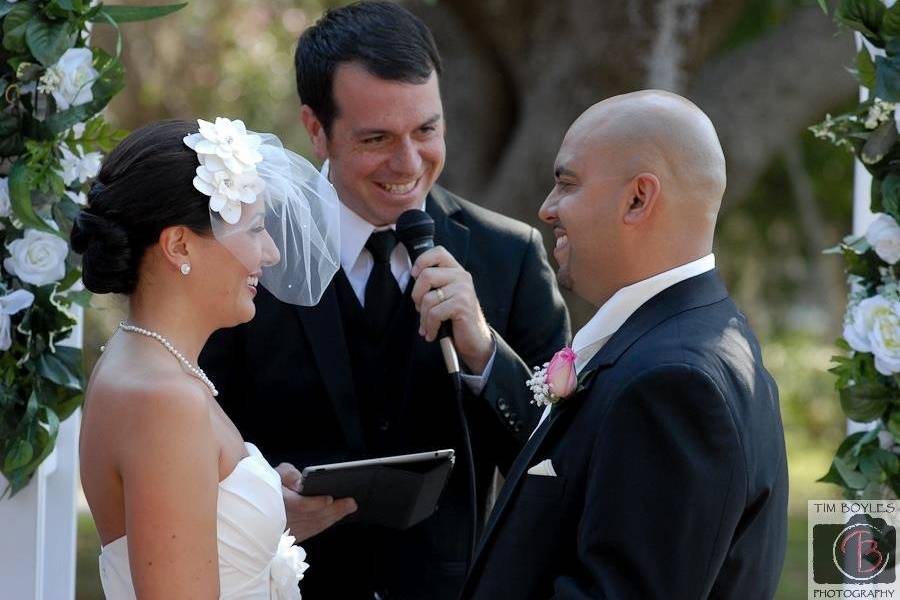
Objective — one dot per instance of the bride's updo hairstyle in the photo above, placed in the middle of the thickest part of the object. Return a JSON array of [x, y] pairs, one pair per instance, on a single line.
[[145, 185]]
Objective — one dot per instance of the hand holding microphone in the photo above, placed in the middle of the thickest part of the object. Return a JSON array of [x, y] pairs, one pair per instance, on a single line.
[[444, 294]]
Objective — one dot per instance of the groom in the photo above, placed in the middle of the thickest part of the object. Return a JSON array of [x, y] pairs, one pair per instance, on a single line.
[[665, 476]]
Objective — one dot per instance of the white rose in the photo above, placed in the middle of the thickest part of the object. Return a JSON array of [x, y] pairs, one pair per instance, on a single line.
[[80, 167], [860, 321], [5, 207], [39, 258], [73, 76], [884, 237], [885, 339]]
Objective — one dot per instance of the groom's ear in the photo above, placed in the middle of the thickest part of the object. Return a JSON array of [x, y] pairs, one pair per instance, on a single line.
[[645, 191], [316, 132]]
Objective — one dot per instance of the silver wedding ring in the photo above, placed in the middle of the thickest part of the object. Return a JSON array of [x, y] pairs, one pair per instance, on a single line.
[[440, 295]]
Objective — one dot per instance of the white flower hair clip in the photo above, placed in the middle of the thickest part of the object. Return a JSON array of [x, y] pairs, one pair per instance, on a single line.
[[227, 173]]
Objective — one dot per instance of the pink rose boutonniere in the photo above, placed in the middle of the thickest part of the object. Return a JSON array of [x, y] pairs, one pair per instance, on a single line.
[[557, 379]]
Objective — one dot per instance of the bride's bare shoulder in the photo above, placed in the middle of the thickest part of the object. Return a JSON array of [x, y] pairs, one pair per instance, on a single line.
[[146, 397]]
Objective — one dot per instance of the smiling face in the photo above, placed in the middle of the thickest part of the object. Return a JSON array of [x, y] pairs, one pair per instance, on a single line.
[[239, 252], [585, 209], [386, 145]]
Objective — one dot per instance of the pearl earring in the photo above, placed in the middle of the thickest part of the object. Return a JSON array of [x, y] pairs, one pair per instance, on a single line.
[[185, 268]]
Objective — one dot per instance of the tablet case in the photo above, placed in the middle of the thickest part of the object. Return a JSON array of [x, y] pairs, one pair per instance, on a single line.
[[396, 496]]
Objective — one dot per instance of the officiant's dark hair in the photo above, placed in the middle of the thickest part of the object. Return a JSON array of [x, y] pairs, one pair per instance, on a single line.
[[144, 186], [386, 39]]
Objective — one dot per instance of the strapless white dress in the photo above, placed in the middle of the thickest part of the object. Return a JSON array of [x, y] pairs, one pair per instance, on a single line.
[[257, 558]]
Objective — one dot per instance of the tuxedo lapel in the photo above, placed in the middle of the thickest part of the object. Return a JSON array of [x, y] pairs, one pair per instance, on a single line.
[[700, 290], [449, 233], [697, 291], [325, 332], [520, 467]]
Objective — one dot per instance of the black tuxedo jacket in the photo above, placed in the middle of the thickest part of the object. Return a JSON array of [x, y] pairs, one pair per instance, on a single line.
[[671, 470], [285, 380]]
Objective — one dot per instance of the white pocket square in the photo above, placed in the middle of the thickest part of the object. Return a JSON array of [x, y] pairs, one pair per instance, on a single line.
[[545, 468]]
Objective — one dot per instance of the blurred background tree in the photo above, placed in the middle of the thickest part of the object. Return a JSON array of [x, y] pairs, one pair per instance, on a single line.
[[517, 73]]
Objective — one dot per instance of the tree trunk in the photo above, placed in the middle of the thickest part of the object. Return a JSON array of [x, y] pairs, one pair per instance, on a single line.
[[517, 73]]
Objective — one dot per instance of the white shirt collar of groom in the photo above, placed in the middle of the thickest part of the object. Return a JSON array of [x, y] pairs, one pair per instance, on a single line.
[[615, 311], [624, 303], [356, 261]]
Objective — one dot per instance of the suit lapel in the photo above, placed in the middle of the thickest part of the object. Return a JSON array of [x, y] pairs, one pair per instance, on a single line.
[[697, 291], [519, 468], [448, 232], [325, 331]]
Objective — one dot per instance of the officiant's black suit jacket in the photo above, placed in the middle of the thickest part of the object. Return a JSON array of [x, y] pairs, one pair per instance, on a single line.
[[285, 379], [671, 472]]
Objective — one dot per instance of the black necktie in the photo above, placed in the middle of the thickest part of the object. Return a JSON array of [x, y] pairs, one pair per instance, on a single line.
[[382, 291]]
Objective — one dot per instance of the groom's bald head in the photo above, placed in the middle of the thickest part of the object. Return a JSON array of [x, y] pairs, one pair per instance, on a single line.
[[661, 133], [640, 179]]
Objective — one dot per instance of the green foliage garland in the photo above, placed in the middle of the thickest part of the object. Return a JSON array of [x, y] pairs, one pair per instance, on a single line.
[[52, 138], [866, 464]]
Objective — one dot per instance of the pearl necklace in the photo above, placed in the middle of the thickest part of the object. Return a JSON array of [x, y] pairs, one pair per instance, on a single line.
[[196, 371]]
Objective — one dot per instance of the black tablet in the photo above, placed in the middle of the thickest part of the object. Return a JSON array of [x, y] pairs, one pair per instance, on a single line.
[[392, 491]]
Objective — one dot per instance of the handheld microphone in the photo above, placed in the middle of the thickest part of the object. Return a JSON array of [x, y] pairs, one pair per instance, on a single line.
[[415, 230]]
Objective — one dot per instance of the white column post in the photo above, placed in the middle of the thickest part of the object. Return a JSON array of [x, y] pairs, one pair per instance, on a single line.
[[38, 525]]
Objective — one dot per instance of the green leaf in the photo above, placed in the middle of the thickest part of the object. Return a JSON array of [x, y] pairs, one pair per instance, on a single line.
[[68, 281], [893, 424], [5, 8], [880, 142], [49, 40], [15, 24], [890, 196], [852, 478], [865, 401], [51, 367], [890, 23], [82, 298], [870, 467], [67, 406], [865, 265], [865, 439], [20, 198], [18, 455], [851, 446], [130, 14], [888, 461], [49, 417], [865, 68], [864, 16], [823, 6], [887, 78]]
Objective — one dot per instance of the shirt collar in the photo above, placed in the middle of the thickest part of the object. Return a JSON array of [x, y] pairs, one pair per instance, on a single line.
[[615, 311], [355, 230]]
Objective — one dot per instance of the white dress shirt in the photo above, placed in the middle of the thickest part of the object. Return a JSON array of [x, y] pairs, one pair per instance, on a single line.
[[357, 263], [624, 303]]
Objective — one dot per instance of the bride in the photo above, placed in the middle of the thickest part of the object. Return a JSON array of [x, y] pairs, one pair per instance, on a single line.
[[186, 221]]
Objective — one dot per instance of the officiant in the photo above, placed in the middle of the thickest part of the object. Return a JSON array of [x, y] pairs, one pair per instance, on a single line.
[[359, 375]]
